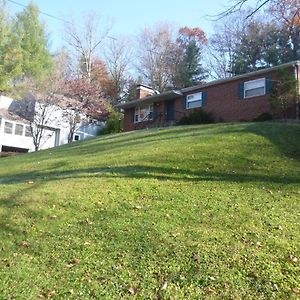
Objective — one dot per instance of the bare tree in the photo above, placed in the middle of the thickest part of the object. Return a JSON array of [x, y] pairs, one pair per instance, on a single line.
[[118, 56], [42, 120], [238, 5], [286, 13], [155, 48], [84, 42], [222, 45]]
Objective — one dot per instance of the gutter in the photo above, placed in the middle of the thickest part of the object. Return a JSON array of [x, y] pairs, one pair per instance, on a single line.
[[245, 76], [150, 99]]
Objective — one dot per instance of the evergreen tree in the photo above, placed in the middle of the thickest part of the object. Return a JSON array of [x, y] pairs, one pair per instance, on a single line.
[[36, 59], [10, 52], [190, 71]]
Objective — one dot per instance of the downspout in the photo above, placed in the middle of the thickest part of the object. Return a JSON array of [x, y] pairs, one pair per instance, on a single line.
[[298, 90]]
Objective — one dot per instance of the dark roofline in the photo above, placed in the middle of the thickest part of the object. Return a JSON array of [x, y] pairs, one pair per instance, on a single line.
[[144, 85], [13, 117], [175, 93], [246, 75], [150, 99]]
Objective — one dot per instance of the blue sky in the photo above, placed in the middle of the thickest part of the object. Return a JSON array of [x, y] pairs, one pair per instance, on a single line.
[[128, 16]]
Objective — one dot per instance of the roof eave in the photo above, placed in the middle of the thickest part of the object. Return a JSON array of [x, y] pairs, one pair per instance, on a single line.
[[246, 75], [151, 99]]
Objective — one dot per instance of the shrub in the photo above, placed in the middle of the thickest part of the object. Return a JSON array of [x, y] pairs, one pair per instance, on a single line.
[[114, 123], [263, 117], [198, 116]]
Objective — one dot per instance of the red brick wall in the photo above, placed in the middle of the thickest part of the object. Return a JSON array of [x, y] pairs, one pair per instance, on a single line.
[[225, 105], [159, 120], [142, 92], [222, 101]]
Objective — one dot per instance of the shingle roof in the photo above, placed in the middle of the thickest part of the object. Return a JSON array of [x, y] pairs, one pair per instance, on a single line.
[[8, 115], [175, 93]]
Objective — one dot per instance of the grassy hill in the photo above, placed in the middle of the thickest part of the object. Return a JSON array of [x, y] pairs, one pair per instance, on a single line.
[[197, 212]]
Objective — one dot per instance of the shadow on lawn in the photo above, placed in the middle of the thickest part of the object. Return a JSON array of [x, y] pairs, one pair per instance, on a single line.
[[11, 201], [147, 172], [278, 134]]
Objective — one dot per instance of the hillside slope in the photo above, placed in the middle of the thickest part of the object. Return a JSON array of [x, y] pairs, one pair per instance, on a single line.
[[208, 212]]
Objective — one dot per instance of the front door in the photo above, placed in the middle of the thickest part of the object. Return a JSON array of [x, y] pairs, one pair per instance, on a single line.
[[170, 110]]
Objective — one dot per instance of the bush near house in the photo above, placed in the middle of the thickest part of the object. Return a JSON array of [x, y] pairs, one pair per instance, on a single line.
[[198, 116], [114, 123], [263, 117]]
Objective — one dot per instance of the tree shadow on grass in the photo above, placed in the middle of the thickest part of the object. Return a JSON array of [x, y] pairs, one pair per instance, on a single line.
[[280, 135], [149, 172], [286, 137], [9, 203]]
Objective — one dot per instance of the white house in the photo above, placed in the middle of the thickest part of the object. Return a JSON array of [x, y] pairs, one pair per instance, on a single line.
[[17, 127]]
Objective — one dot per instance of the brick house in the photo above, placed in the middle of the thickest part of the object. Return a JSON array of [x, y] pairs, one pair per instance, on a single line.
[[243, 97]]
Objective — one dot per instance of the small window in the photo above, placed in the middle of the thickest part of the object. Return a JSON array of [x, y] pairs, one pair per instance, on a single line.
[[76, 137], [8, 127], [19, 129], [28, 131], [194, 100], [255, 88]]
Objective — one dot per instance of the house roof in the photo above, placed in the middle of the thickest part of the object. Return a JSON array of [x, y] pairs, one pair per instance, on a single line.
[[93, 110], [175, 93], [8, 115], [246, 75], [151, 99]]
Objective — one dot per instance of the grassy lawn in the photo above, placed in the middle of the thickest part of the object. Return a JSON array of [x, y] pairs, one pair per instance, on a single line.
[[197, 212]]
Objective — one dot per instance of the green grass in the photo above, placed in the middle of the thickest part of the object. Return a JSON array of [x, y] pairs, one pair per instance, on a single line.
[[195, 212]]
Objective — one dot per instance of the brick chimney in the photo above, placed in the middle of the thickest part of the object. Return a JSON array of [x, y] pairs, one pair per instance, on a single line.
[[143, 91]]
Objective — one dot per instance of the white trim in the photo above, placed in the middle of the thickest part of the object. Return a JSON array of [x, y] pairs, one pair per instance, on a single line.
[[256, 84], [137, 113], [193, 98]]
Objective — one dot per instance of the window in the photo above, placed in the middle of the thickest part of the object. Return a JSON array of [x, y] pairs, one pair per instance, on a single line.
[[255, 88], [28, 131], [19, 129], [8, 127], [144, 113], [76, 137], [194, 100]]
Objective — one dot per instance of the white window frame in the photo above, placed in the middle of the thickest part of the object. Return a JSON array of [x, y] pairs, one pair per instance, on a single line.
[[15, 131], [193, 98], [12, 127], [27, 131], [137, 113], [76, 134], [253, 82]]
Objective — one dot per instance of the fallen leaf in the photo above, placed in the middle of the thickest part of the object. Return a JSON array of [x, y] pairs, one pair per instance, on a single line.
[[296, 291], [133, 290], [75, 261], [293, 259], [138, 207], [51, 294], [164, 287], [24, 244]]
